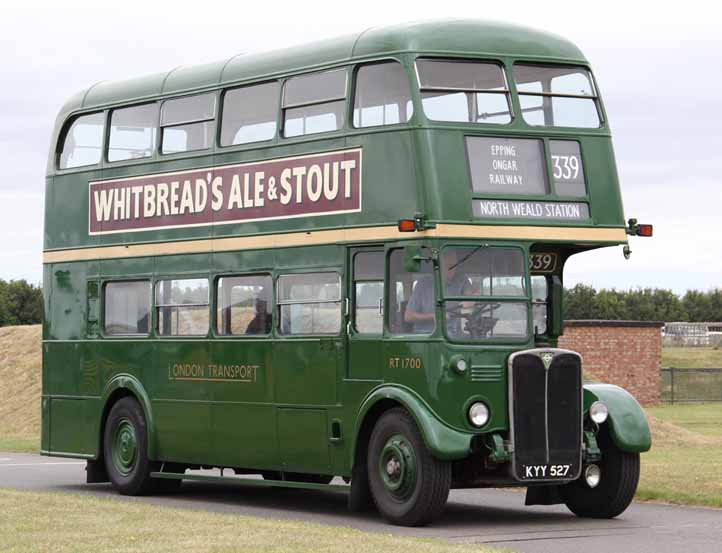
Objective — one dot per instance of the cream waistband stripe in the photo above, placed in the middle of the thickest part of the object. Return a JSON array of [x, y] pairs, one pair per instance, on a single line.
[[363, 234]]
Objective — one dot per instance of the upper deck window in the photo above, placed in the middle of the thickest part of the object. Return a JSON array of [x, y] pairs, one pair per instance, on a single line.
[[314, 103], [133, 132], [83, 142], [249, 114], [463, 91], [557, 96], [187, 123], [383, 95]]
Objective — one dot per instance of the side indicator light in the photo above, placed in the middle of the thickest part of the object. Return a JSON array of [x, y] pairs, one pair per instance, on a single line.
[[407, 225], [645, 230]]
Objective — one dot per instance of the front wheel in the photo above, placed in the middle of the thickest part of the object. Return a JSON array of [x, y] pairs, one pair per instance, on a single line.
[[409, 486], [616, 488]]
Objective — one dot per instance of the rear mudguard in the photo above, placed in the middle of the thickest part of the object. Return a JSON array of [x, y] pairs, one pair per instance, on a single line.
[[444, 442], [627, 422]]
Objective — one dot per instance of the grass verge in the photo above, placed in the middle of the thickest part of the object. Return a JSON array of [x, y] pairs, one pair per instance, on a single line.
[[692, 358], [19, 444], [59, 522], [685, 463]]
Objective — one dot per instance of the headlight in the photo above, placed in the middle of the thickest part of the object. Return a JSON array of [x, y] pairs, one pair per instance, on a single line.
[[458, 363], [598, 412], [478, 414]]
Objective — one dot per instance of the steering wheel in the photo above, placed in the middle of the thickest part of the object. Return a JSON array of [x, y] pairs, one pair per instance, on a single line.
[[479, 322]]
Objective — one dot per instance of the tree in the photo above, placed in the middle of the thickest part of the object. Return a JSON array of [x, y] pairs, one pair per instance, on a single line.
[[21, 303], [579, 302]]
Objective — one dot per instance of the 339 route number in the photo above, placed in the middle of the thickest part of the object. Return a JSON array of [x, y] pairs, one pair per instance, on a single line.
[[565, 167], [542, 262]]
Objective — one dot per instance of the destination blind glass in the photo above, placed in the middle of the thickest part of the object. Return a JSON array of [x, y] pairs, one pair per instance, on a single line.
[[506, 165], [518, 167]]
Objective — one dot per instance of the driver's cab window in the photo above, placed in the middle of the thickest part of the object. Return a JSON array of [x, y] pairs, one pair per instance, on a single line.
[[412, 301], [485, 296], [540, 303]]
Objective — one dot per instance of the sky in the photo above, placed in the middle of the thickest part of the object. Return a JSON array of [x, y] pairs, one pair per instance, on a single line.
[[658, 71]]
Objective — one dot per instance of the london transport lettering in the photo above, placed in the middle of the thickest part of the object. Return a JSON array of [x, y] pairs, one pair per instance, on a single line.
[[213, 372], [311, 185]]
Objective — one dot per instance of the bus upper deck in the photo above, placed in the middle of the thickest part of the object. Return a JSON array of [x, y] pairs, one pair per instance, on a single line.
[[470, 129]]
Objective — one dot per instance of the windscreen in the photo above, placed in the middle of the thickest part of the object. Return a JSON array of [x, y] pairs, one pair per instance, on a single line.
[[485, 295]]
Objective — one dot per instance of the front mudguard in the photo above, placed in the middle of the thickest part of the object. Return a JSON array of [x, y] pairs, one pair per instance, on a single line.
[[443, 442], [627, 422]]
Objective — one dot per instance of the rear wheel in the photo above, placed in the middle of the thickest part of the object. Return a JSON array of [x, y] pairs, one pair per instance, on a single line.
[[125, 449], [409, 485], [616, 488]]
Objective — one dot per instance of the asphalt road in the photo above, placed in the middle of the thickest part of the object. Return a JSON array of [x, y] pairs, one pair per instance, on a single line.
[[478, 516]]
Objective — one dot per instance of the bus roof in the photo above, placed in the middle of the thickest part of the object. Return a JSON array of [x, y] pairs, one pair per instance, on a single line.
[[440, 37]]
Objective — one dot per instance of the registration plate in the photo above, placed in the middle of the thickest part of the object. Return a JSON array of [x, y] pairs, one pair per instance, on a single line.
[[546, 472]]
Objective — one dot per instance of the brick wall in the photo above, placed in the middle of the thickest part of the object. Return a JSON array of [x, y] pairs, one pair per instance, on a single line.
[[625, 353]]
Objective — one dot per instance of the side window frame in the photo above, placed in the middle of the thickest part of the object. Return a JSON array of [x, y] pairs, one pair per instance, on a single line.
[[212, 120], [352, 94], [156, 306], [155, 148], [341, 123], [63, 135], [390, 287], [104, 308], [353, 312], [217, 305], [277, 120], [279, 303]]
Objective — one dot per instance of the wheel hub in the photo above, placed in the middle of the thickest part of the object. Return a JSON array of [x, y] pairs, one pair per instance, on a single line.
[[397, 467], [125, 447]]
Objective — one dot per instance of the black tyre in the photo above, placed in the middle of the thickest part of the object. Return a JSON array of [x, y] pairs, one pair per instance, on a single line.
[[616, 488], [409, 486], [125, 448]]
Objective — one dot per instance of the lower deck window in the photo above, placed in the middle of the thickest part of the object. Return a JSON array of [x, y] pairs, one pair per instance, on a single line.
[[182, 307], [127, 308], [309, 303], [412, 296], [244, 305]]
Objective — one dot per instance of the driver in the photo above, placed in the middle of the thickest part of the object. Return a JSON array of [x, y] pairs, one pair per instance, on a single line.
[[420, 309]]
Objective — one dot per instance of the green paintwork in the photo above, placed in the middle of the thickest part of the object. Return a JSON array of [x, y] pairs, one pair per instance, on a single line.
[[305, 386], [444, 442], [627, 421]]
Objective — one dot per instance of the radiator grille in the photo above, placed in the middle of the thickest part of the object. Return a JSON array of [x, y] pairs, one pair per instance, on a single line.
[[546, 411]]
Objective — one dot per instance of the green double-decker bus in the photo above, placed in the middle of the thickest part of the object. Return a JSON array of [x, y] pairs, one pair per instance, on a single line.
[[338, 260]]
